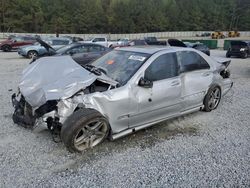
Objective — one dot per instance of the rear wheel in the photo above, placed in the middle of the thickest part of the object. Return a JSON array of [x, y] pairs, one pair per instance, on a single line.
[[212, 99], [244, 55], [6, 48], [84, 129], [32, 54]]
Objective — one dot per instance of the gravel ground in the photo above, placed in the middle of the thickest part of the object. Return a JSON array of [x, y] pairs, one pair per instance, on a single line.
[[197, 150]]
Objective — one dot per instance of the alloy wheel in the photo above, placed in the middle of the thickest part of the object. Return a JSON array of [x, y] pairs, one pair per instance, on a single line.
[[90, 134], [214, 98]]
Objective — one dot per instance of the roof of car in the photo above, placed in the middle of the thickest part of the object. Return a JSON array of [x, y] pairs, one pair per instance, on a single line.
[[148, 49], [244, 41]]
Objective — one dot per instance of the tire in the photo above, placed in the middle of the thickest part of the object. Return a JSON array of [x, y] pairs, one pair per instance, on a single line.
[[244, 55], [228, 55], [32, 54], [6, 48], [212, 99], [84, 129]]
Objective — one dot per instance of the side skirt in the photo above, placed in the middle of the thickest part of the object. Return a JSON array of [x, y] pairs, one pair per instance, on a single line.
[[134, 129]]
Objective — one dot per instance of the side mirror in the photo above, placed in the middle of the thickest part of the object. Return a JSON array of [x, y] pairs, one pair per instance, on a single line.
[[145, 83]]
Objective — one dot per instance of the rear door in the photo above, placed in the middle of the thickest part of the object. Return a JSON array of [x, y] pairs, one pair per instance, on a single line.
[[196, 77], [163, 100], [18, 41]]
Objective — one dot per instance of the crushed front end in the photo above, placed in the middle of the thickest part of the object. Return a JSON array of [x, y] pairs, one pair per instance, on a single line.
[[26, 116], [44, 96]]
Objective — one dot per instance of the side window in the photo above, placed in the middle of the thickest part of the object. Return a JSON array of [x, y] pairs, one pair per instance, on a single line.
[[99, 40], [74, 50], [191, 61], [203, 63], [102, 39], [83, 49], [60, 42], [18, 39], [165, 66], [94, 48], [28, 38]]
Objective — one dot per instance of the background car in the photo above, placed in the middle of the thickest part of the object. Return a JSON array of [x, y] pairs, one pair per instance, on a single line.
[[83, 53], [74, 39], [239, 49], [198, 46], [137, 42], [16, 42], [154, 41], [39, 49]]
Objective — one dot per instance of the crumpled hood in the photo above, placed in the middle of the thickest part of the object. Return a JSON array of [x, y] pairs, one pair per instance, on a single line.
[[53, 78]]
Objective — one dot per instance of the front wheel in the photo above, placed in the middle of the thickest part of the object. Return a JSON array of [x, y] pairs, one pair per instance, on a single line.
[[212, 99], [6, 48], [84, 129], [32, 54]]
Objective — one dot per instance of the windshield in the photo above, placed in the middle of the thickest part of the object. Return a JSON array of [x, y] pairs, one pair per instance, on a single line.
[[64, 48], [121, 65]]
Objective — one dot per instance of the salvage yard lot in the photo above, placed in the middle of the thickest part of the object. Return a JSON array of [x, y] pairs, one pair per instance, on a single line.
[[198, 150]]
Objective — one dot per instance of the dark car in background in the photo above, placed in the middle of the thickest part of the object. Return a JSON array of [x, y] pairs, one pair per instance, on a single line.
[[239, 49], [154, 41], [84, 53], [198, 46], [16, 42], [137, 42]]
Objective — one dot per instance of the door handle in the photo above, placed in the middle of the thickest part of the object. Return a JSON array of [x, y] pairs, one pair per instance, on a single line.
[[206, 74], [175, 83]]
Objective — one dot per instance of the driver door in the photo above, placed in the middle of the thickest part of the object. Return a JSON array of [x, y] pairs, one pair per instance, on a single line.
[[163, 99]]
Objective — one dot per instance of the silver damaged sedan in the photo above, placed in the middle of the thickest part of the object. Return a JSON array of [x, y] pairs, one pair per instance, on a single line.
[[126, 90]]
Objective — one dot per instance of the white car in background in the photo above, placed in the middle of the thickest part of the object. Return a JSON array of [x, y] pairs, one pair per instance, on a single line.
[[105, 42]]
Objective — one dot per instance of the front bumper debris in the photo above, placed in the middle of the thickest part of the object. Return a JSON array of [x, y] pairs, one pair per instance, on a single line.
[[23, 112], [24, 117]]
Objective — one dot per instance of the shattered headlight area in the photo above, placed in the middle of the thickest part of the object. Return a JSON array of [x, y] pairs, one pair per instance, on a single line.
[[27, 117], [23, 111], [53, 113]]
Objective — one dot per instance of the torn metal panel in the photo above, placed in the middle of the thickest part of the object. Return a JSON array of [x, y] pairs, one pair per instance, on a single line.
[[53, 78]]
